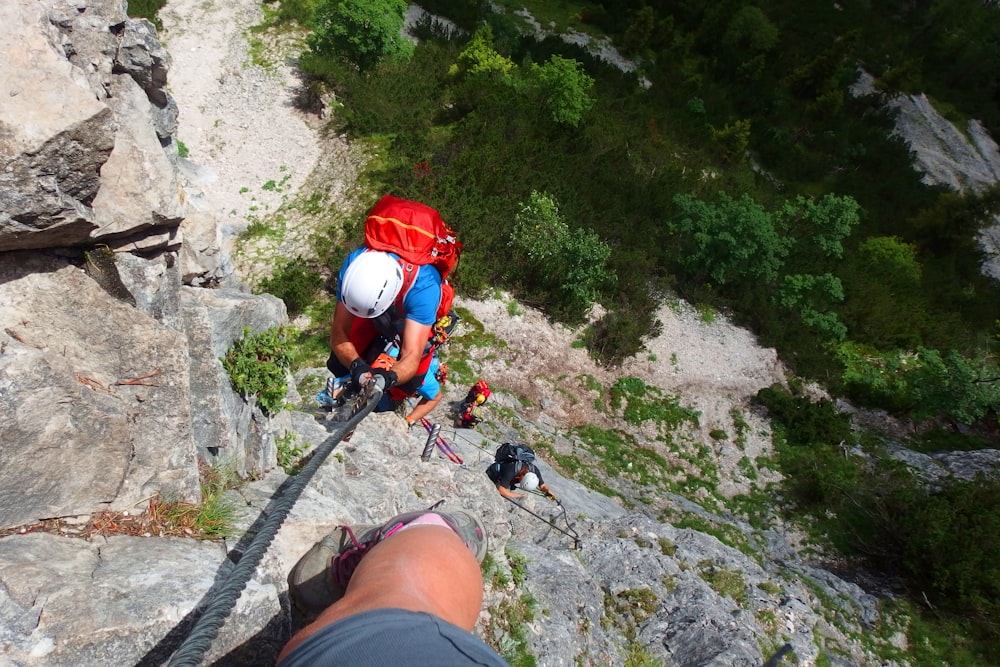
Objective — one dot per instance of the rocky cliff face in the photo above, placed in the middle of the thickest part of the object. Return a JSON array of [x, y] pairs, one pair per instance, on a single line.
[[966, 160], [110, 384], [111, 391]]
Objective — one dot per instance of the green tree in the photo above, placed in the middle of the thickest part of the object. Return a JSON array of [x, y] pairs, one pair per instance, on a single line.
[[564, 88], [731, 240], [637, 36], [480, 57], [949, 384], [884, 306], [365, 32], [924, 383], [572, 263], [824, 222], [733, 139], [750, 31], [810, 298]]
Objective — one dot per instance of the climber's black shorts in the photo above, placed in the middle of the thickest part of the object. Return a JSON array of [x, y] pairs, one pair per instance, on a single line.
[[391, 638]]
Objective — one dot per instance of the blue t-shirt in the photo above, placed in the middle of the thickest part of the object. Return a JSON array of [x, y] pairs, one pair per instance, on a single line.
[[421, 303], [430, 387]]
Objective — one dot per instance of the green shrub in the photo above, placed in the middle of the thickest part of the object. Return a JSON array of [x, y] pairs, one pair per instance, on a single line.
[[565, 89], [294, 283], [925, 383], [808, 437], [365, 32], [615, 337], [147, 9], [290, 452], [804, 421], [257, 365], [570, 263], [950, 538]]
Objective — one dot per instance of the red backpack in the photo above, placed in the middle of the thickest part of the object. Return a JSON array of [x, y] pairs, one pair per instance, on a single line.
[[416, 233]]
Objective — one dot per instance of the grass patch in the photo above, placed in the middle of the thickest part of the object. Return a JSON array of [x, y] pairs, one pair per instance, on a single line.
[[728, 535], [474, 333], [629, 608], [212, 518], [640, 402], [725, 582], [507, 630], [622, 456], [290, 452]]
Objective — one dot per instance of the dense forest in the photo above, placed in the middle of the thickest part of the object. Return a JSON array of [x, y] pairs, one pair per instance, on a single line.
[[726, 162]]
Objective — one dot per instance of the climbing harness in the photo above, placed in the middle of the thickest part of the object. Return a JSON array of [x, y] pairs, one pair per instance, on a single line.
[[435, 438], [569, 532], [206, 628]]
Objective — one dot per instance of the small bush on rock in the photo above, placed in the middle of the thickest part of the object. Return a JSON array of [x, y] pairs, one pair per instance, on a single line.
[[257, 365]]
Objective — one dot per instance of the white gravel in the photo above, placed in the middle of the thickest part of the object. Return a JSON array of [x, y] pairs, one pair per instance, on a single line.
[[236, 118]]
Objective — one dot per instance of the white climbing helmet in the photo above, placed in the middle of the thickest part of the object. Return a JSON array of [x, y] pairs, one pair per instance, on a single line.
[[371, 284], [529, 482]]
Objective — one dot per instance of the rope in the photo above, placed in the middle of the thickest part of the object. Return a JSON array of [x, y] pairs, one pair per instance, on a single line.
[[572, 534], [206, 628], [456, 434]]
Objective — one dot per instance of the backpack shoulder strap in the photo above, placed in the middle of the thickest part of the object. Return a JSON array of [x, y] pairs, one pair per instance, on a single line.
[[410, 272]]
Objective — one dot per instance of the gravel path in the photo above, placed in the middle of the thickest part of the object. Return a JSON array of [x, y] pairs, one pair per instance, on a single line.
[[250, 149]]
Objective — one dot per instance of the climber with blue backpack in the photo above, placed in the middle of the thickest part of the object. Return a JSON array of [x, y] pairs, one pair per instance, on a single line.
[[514, 467], [392, 290]]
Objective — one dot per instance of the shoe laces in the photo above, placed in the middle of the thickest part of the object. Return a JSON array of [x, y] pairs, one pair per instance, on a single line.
[[346, 562]]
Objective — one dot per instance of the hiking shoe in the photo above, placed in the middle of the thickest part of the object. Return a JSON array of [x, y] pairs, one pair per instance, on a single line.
[[321, 576], [324, 399], [333, 393], [310, 584]]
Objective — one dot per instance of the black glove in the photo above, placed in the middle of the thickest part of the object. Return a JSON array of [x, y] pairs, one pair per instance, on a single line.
[[359, 368], [390, 377]]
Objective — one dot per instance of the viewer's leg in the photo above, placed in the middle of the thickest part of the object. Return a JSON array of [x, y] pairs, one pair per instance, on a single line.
[[421, 568]]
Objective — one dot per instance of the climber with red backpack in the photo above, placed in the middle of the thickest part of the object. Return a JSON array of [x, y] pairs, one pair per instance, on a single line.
[[478, 393], [391, 291], [469, 413]]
